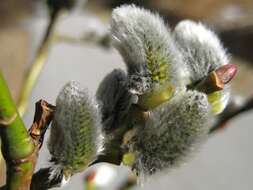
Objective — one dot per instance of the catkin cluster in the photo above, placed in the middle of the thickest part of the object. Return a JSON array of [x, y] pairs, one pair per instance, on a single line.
[[155, 114], [163, 68]]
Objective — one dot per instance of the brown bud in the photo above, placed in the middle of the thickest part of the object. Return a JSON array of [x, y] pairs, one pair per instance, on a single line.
[[216, 80], [226, 73]]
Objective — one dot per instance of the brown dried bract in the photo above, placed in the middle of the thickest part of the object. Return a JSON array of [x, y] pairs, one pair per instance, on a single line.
[[43, 116], [226, 73]]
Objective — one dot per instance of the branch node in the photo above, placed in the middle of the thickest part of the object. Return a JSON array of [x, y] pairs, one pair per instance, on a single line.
[[8, 121]]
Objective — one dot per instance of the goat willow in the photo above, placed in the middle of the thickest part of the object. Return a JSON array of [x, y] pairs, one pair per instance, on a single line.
[[150, 117], [156, 113]]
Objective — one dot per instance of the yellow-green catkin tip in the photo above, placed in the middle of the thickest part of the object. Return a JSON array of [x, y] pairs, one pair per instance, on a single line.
[[218, 101], [128, 159], [156, 97]]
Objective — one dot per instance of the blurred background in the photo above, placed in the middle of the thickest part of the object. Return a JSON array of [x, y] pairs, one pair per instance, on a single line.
[[223, 163]]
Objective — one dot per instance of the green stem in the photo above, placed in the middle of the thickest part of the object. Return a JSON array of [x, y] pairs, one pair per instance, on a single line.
[[17, 145], [40, 59]]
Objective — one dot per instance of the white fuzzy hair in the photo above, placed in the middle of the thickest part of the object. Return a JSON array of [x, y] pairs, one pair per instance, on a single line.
[[74, 131], [134, 30], [172, 132], [201, 47], [203, 53]]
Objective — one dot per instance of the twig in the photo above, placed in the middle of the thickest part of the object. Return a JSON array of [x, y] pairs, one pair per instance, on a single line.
[[43, 116], [38, 63], [231, 112], [17, 146], [20, 148]]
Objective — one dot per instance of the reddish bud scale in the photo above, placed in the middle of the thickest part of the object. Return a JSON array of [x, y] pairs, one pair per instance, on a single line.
[[226, 73], [216, 80]]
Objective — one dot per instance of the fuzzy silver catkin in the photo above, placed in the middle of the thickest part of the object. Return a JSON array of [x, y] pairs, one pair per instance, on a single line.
[[201, 48], [148, 49], [174, 129], [74, 131], [203, 53], [114, 99]]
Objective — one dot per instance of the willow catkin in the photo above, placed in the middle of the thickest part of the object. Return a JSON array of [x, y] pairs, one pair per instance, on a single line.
[[172, 132], [74, 131], [201, 47], [203, 53], [114, 100], [147, 47]]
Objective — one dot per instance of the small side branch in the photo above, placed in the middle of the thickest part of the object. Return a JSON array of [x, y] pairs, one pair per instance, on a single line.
[[37, 64]]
